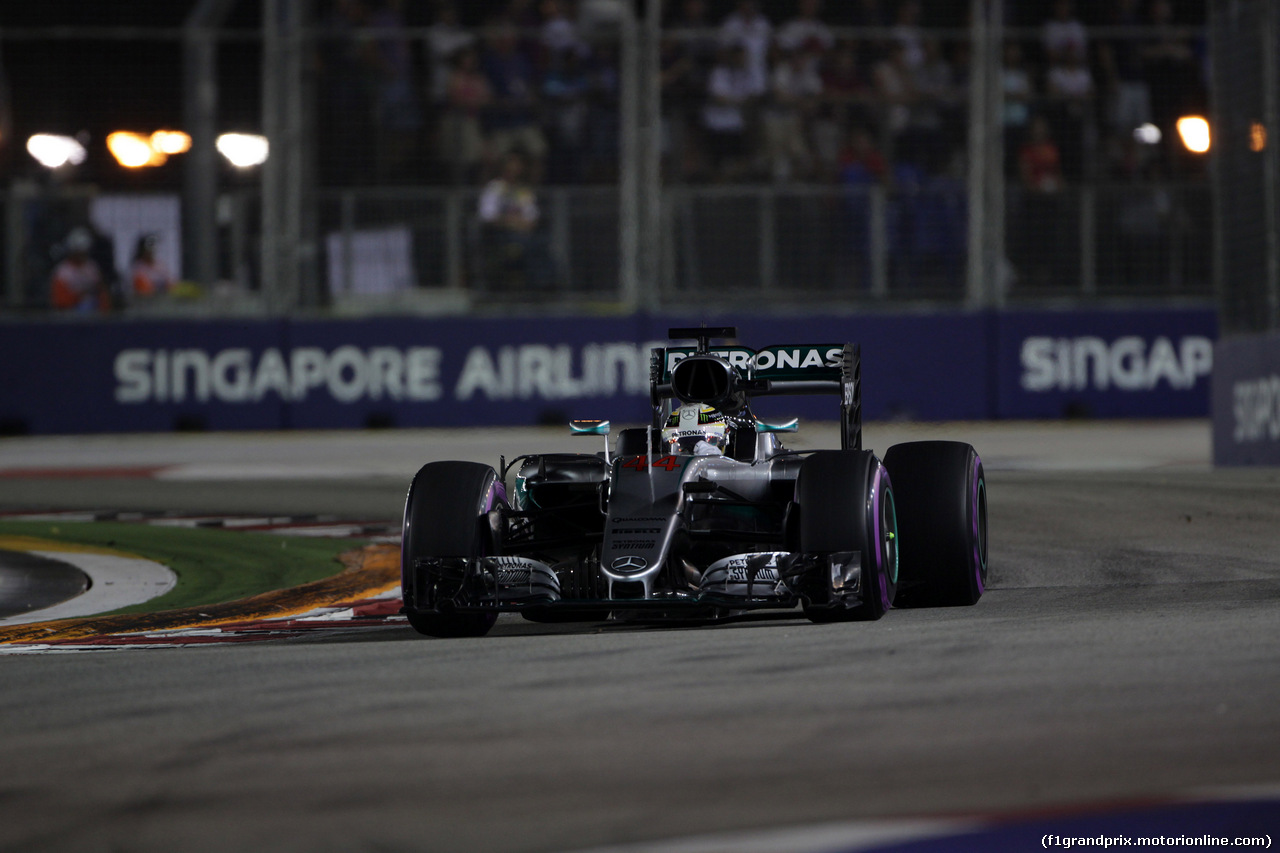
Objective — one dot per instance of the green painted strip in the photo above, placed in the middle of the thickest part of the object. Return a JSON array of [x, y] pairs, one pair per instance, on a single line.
[[212, 566]]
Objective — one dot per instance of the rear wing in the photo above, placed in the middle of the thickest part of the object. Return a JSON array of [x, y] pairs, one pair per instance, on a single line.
[[780, 370]]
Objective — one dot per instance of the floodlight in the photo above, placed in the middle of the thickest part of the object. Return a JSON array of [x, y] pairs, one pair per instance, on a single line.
[[170, 142], [243, 150], [1194, 131], [133, 150], [52, 150], [1147, 134]]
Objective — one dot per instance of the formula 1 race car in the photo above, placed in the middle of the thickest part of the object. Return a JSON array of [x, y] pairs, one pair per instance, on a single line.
[[703, 513]]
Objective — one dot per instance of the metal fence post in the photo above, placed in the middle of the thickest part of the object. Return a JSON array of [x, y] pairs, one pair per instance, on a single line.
[[200, 168], [986, 155], [15, 240], [766, 198], [1271, 154], [650, 167], [283, 184], [629, 161], [454, 241], [1088, 241], [347, 219], [978, 49], [879, 242]]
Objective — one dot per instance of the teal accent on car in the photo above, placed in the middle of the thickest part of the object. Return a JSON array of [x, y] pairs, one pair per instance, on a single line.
[[586, 427], [787, 426]]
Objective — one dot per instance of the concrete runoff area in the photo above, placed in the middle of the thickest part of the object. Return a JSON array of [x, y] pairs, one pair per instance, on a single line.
[[1127, 649], [110, 582]]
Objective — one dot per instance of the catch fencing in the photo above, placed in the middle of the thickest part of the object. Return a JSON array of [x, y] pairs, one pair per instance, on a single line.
[[855, 194]]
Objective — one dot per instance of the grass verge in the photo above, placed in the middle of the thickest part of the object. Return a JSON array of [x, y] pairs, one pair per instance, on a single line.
[[212, 566]]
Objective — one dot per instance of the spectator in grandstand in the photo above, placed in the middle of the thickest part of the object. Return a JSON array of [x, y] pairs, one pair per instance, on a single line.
[[1070, 79], [564, 91], [560, 31], [348, 78], [516, 248], [907, 33], [1169, 65], [1018, 89], [861, 167], [795, 93], [511, 120], [397, 110], [1039, 162], [467, 94], [732, 91], [842, 78], [748, 28], [77, 283], [867, 13], [1128, 95], [148, 275], [689, 21], [445, 39], [895, 89], [688, 55], [1038, 245], [861, 164], [807, 32], [936, 121], [522, 14], [1070, 87], [1063, 34], [844, 103]]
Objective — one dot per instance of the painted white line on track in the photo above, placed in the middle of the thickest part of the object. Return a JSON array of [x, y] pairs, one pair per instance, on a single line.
[[115, 582]]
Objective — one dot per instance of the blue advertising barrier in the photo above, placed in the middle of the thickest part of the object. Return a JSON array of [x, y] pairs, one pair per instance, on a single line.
[[1246, 401], [1106, 364], [66, 377]]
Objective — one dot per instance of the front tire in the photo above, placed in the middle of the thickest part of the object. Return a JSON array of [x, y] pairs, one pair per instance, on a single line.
[[444, 516], [942, 511], [847, 504]]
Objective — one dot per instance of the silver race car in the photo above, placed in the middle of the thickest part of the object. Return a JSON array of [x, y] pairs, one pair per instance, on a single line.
[[702, 514]]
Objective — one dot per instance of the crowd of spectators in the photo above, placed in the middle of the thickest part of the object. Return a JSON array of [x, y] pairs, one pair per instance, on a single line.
[[751, 90]]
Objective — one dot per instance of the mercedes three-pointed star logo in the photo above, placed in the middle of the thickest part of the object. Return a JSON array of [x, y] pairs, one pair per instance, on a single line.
[[628, 564]]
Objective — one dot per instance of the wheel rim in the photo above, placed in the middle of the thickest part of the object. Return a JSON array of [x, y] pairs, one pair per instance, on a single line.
[[889, 534], [979, 528]]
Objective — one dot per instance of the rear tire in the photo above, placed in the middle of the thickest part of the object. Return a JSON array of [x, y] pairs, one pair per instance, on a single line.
[[847, 504], [942, 512], [444, 517]]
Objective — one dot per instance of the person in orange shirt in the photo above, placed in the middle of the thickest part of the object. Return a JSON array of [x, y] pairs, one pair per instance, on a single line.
[[77, 283], [148, 276]]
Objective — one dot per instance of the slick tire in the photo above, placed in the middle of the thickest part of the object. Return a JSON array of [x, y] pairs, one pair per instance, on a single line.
[[847, 504], [942, 514], [444, 517]]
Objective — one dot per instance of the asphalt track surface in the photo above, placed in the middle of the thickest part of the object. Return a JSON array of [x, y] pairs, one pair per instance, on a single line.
[[1128, 648]]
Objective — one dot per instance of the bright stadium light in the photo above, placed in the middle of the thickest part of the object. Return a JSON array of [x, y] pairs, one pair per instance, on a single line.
[[52, 151], [170, 142], [133, 150], [243, 150], [1194, 131], [1147, 134]]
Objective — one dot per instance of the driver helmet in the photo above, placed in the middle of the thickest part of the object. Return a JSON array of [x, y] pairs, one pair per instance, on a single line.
[[696, 429]]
